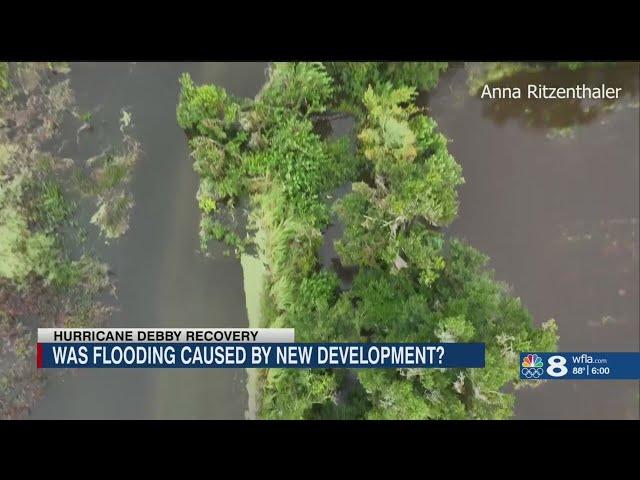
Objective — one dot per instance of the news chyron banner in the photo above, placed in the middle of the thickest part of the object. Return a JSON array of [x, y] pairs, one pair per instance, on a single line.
[[237, 348], [277, 348]]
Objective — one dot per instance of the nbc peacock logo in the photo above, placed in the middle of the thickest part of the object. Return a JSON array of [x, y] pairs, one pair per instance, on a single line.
[[532, 366]]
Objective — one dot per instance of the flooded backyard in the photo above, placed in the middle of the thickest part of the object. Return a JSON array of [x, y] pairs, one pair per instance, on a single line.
[[551, 195]]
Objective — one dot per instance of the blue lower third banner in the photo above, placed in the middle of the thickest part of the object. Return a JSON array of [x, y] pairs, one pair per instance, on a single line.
[[580, 366], [263, 355]]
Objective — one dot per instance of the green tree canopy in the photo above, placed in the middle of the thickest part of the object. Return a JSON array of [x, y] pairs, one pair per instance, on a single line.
[[413, 283]]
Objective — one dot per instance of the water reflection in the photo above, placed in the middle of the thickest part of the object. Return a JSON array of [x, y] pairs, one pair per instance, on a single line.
[[559, 221], [558, 114]]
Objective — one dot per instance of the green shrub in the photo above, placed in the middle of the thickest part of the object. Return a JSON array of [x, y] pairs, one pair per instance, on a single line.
[[303, 87], [352, 79], [205, 109]]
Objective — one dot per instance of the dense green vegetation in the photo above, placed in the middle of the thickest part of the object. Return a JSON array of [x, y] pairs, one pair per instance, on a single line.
[[352, 79], [413, 283]]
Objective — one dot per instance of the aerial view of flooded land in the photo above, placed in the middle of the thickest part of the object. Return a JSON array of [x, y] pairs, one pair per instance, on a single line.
[[354, 202]]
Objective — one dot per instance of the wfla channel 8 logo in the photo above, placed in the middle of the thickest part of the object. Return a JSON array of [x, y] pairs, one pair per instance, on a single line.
[[532, 366]]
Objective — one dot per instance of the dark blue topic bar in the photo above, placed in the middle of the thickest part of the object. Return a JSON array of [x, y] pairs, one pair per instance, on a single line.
[[263, 355]]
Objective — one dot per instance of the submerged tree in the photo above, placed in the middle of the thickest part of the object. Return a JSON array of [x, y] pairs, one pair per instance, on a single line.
[[412, 283]]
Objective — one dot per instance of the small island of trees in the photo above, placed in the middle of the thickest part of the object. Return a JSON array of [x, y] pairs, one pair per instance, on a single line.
[[413, 282]]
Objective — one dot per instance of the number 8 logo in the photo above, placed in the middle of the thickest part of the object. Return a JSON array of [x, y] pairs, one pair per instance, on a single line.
[[556, 366]]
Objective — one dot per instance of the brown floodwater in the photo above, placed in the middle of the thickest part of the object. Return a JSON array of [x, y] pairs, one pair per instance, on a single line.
[[551, 196], [558, 215], [162, 278]]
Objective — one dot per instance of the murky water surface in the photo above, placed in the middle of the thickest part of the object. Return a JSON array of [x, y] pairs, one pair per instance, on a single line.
[[558, 215], [162, 279]]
